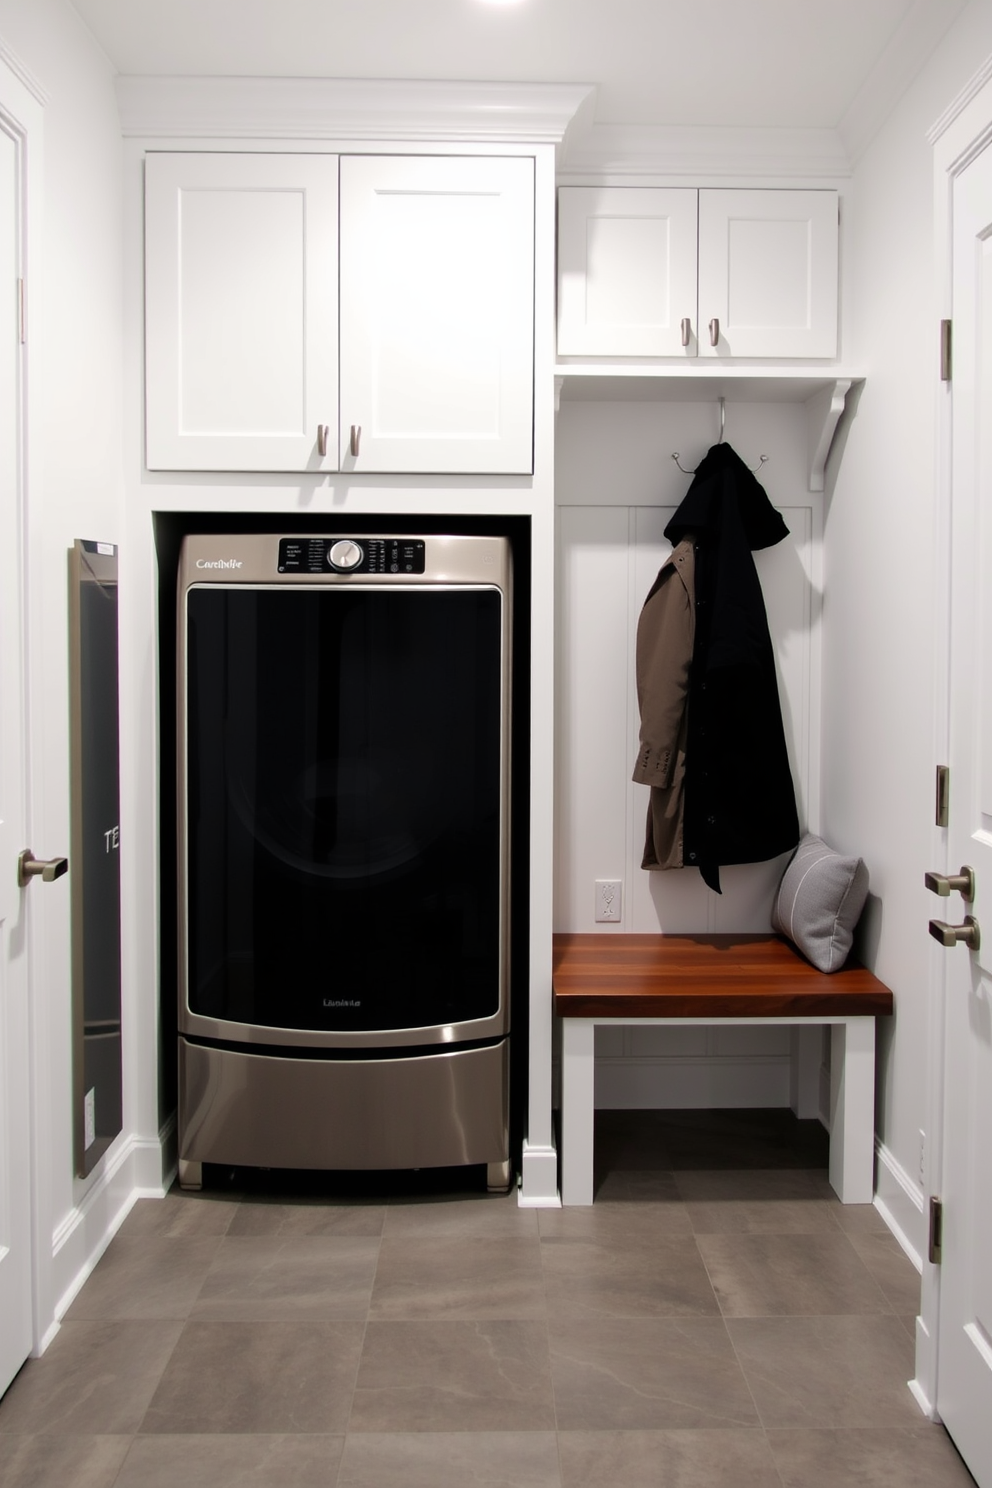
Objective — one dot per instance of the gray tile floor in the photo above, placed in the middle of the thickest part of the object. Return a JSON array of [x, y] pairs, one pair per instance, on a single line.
[[716, 1320]]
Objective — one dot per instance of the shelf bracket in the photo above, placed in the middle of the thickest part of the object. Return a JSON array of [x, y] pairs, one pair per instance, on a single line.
[[823, 413]]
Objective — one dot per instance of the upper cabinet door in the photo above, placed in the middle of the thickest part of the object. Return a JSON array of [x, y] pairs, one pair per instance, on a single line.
[[768, 273], [437, 314], [241, 312], [626, 271]]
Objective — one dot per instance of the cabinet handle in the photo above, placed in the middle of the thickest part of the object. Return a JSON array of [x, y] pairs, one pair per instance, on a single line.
[[714, 332], [686, 330], [356, 438], [322, 432]]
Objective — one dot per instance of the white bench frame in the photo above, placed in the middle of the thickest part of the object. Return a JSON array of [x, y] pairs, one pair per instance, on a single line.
[[852, 1095]]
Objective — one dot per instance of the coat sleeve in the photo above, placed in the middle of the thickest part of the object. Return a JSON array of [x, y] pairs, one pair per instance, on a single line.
[[665, 635]]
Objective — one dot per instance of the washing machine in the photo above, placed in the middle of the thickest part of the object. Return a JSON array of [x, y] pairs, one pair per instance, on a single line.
[[343, 852]]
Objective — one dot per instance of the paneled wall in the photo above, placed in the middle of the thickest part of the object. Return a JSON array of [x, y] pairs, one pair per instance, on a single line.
[[616, 488]]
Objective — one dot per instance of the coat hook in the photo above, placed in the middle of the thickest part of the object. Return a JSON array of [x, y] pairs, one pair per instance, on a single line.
[[723, 418], [723, 423]]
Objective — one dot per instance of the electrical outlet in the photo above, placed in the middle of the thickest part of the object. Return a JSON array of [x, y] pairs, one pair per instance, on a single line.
[[609, 900], [89, 1118]]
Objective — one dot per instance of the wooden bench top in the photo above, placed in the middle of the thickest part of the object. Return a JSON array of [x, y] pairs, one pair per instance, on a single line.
[[703, 976]]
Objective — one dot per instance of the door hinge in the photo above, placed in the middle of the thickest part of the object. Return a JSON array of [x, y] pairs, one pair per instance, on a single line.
[[945, 351], [942, 812], [22, 322], [936, 1231]]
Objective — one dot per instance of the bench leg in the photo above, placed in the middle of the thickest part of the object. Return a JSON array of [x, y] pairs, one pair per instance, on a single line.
[[852, 1110], [578, 1036]]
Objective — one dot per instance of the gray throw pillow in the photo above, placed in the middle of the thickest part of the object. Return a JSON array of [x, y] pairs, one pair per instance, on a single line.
[[819, 902]]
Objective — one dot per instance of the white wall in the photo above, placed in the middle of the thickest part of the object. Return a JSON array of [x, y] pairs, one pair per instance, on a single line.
[[74, 358], [880, 725]]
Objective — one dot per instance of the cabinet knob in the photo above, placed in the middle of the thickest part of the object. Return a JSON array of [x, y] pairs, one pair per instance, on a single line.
[[686, 330], [714, 332], [356, 438]]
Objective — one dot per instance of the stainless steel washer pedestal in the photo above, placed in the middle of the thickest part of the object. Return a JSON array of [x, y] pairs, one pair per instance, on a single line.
[[436, 1110]]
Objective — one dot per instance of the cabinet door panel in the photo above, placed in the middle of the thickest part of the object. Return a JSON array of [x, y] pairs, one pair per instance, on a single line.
[[768, 273], [241, 311], [437, 313], [626, 271]]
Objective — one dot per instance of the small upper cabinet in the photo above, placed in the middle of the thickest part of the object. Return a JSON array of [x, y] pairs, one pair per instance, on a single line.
[[758, 280], [437, 314], [435, 298], [626, 271], [241, 297]]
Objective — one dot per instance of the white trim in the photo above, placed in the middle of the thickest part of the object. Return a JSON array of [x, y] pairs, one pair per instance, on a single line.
[[956, 108], [900, 1203], [130, 1172], [24, 74], [539, 1178], [346, 109]]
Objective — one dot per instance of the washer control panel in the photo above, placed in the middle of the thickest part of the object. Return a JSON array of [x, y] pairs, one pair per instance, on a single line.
[[352, 555]]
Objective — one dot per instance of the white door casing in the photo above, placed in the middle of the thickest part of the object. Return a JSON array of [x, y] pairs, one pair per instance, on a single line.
[[437, 314], [241, 292], [15, 1090], [964, 1348]]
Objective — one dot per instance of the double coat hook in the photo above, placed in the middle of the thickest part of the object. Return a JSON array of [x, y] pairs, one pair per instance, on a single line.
[[723, 421]]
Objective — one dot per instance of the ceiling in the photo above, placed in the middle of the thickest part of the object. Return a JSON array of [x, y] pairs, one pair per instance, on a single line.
[[799, 64]]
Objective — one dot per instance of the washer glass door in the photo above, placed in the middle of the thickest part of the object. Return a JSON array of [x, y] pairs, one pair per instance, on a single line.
[[343, 806]]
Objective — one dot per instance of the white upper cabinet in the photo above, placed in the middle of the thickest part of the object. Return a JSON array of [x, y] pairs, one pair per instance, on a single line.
[[759, 279], [437, 314], [241, 291], [626, 271], [768, 273], [436, 295]]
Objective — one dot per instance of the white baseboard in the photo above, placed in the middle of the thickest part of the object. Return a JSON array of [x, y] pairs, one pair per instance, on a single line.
[[899, 1201], [539, 1178], [130, 1171]]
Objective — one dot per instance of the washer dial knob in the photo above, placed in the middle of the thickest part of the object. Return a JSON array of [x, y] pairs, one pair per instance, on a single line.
[[345, 554]]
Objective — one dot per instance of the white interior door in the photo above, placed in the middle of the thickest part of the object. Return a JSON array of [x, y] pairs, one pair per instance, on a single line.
[[15, 1229], [964, 1378]]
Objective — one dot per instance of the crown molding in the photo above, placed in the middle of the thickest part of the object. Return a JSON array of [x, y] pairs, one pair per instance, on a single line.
[[956, 108], [11, 60], [620, 151], [343, 109], [915, 39]]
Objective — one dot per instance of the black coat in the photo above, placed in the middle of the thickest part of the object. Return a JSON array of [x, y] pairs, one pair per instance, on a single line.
[[740, 804]]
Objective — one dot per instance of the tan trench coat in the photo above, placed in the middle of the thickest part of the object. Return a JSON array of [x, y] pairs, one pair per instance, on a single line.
[[665, 635]]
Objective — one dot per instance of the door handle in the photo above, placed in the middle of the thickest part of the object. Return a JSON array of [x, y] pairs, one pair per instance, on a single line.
[[322, 432], [714, 332], [47, 869], [356, 439], [949, 935], [944, 884], [686, 330]]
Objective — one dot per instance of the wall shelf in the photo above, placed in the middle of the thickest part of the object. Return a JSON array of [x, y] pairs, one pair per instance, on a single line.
[[823, 391]]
